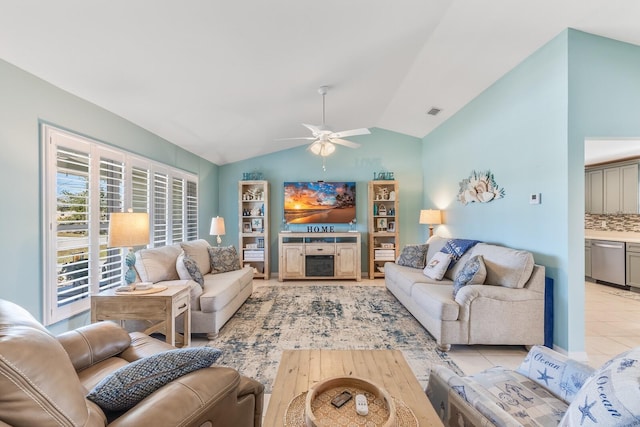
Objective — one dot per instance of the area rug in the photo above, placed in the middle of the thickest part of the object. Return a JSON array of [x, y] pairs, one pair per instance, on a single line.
[[625, 294], [277, 318]]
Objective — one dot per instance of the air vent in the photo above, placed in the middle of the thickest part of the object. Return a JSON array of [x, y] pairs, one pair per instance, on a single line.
[[434, 111]]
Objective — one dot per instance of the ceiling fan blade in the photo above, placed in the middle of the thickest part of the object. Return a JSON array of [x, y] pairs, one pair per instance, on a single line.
[[352, 132], [344, 142], [314, 129], [310, 138]]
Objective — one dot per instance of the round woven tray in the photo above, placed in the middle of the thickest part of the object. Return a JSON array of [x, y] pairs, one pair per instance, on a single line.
[[294, 415], [152, 290]]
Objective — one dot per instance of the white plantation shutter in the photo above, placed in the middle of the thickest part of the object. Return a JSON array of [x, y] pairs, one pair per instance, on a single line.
[[160, 209], [84, 181], [111, 200], [177, 210], [72, 216], [192, 211]]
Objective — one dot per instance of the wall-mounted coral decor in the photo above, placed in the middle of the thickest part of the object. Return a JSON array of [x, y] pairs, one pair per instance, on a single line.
[[479, 187]]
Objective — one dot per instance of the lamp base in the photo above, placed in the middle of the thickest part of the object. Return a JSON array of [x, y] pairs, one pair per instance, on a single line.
[[219, 240], [130, 274], [430, 230]]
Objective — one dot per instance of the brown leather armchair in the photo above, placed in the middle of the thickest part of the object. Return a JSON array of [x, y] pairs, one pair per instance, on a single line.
[[44, 380]]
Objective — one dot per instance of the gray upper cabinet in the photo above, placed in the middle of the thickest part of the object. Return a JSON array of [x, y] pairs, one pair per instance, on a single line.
[[612, 189]]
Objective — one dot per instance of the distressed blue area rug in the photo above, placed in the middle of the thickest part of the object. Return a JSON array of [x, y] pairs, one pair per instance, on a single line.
[[277, 318]]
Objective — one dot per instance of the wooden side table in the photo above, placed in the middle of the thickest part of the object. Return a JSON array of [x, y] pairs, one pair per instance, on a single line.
[[163, 307]]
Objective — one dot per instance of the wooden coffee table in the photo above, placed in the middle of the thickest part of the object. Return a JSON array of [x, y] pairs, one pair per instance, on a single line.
[[301, 369]]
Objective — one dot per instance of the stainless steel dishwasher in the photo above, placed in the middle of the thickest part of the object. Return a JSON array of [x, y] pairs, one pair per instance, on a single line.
[[607, 262]]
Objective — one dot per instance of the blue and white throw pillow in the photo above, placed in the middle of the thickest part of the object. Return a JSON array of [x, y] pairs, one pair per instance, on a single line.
[[413, 256], [192, 267], [456, 248], [223, 259], [473, 273], [611, 395], [125, 387]]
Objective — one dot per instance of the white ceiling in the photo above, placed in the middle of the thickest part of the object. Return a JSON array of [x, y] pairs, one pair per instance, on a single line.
[[224, 79]]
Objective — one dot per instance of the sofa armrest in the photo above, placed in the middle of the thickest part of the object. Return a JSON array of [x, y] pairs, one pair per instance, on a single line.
[[251, 388], [94, 343], [206, 395]]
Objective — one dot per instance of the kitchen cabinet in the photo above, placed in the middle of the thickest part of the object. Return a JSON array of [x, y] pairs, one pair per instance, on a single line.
[[633, 264], [621, 190], [593, 197], [612, 189], [587, 258]]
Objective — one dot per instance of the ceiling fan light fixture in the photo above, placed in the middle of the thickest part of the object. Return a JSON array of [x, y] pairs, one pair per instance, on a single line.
[[322, 148]]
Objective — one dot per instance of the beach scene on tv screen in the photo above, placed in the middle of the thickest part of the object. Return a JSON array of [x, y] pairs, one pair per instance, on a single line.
[[319, 202]]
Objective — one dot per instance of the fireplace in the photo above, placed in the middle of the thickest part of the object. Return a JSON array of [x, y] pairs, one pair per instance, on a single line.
[[319, 265]]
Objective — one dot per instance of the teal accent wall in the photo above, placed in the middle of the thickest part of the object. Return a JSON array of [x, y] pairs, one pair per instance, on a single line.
[[26, 102], [529, 128], [382, 150]]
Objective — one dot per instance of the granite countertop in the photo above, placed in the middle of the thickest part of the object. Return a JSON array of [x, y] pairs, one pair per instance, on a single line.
[[614, 236]]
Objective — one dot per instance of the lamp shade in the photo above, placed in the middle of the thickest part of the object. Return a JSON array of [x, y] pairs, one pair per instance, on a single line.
[[217, 226], [430, 216], [128, 229]]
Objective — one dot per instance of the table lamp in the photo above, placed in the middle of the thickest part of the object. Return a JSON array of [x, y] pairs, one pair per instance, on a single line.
[[126, 230], [431, 217], [217, 228]]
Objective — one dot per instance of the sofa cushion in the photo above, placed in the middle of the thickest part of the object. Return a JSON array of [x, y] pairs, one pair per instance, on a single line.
[[435, 299], [404, 277], [223, 259], [188, 269], [437, 266], [130, 384], [555, 372], [505, 266], [473, 273], [220, 289], [199, 251], [413, 256], [157, 264], [610, 396]]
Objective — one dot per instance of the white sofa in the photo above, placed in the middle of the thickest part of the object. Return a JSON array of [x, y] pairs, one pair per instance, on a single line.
[[507, 309], [212, 304]]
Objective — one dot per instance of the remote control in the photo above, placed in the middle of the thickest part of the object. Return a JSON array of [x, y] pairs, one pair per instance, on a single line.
[[362, 408]]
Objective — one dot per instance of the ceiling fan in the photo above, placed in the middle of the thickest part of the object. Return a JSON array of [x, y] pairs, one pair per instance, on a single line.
[[324, 139]]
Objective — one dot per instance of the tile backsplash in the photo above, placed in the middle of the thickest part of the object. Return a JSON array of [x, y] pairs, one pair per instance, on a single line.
[[613, 222]]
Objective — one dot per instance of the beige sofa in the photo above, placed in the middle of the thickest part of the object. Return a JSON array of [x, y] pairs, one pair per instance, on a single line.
[[507, 309], [212, 304], [45, 380]]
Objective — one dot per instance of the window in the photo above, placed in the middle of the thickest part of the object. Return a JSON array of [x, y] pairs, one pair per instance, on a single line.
[[84, 181]]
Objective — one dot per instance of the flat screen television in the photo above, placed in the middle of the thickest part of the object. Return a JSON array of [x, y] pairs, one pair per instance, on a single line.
[[319, 202]]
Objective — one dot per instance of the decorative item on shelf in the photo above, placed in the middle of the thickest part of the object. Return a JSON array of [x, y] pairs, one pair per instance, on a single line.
[[381, 224], [391, 227], [260, 243], [352, 225], [252, 176], [217, 228], [383, 176], [246, 227], [252, 246], [431, 217], [387, 245], [255, 212], [126, 230], [375, 209], [392, 196], [479, 187], [382, 210], [383, 194], [391, 211], [256, 224]]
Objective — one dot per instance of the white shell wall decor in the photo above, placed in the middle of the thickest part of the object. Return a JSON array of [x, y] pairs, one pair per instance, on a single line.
[[479, 187]]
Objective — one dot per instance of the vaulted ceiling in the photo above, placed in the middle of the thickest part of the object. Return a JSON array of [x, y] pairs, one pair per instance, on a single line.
[[225, 79]]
